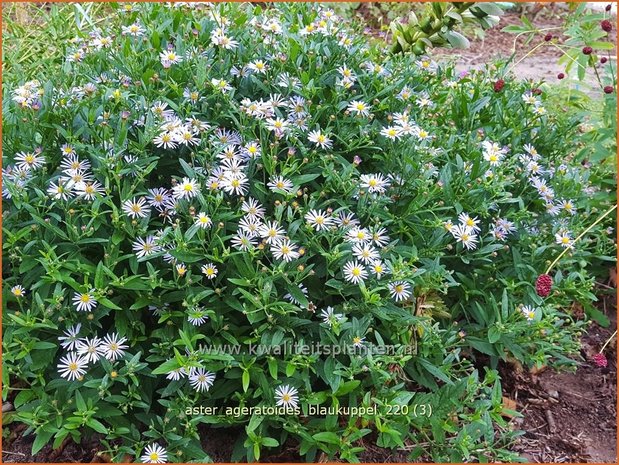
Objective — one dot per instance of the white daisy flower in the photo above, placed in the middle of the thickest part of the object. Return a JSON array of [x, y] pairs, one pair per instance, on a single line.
[[471, 223], [374, 183], [243, 241], [318, 219], [355, 272], [258, 66], [186, 189], [250, 225], [464, 234], [135, 208], [380, 237], [284, 250], [378, 269], [365, 253], [144, 247], [252, 208], [61, 191], [170, 57], [346, 220], [157, 197], [135, 30], [400, 290], [112, 347], [71, 337], [72, 366], [271, 231], [166, 140], [154, 453], [201, 380], [28, 160], [203, 220], [84, 302], [358, 235], [564, 239], [528, 312], [234, 183], [90, 349], [568, 206], [279, 183], [177, 374], [329, 317], [197, 316], [320, 139], [89, 190], [359, 108], [209, 270], [18, 291], [391, 132], [286, 396]]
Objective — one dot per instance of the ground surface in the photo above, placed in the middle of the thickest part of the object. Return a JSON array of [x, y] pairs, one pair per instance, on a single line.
[[569, 417]]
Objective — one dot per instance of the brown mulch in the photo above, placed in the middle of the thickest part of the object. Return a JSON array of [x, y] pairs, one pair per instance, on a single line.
[[570, 417]]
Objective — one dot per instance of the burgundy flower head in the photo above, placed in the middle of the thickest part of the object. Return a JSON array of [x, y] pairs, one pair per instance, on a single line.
[[543, 285], [609, 89], [498, 86], [587, 50], [600, 360], [606, 25]]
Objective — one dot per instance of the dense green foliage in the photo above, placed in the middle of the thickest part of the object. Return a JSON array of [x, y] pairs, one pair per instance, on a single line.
[[420, 205]]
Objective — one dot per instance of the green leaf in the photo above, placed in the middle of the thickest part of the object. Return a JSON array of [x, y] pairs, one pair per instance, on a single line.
[[434, 370], [42, 438], [109, 304], [457, 40], [97, 426], [273, 367], [166, 367], [245, 380], [328, 437], [79, 402], [270, 442]]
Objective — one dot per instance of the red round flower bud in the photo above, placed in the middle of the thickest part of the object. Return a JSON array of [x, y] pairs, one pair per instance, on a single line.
[[609, 89], [498, 86], [609, 7], [536, 91], [560, 76], [600, 360], [587, 50], [603, 60], [548, 37], [543, 285], [606, 25]]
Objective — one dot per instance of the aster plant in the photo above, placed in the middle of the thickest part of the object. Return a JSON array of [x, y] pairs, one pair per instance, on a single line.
[[194, 181]]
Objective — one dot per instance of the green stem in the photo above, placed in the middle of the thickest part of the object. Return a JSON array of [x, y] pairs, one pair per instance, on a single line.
[[608, 212], [608, 340]]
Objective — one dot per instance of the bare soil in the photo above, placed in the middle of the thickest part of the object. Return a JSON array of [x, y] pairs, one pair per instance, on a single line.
[[569, 417], [542, 64]]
